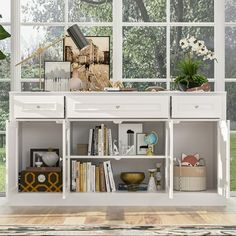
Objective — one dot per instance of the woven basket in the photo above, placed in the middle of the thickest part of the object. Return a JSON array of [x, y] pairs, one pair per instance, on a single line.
[[190, 178]]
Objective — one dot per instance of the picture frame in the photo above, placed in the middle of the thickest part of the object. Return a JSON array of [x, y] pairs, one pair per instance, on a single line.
[[91, 65], [140, 150], [123, 140], [37, 152], [57, 75]]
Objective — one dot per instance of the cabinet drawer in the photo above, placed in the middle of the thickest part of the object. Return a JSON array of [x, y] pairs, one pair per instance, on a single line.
[[38, 106], [196, 106], [117, 107]]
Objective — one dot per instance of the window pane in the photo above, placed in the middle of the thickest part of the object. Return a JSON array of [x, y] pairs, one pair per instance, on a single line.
[[144, 52], [192, 10], [5, 47], [202, 33], [4, 111], [231, 115], [230, 10], [4, 103], [230, 52], [5, 10], [144, 10], [30, 86], [141, 86], [233, 161], [90, 11], [42, 10], [32, 37]]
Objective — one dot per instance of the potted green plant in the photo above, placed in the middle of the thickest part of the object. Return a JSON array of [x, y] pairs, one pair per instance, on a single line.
[[3, 35], [189, 76]]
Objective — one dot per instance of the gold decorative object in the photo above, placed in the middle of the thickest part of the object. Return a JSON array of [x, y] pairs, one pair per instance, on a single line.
[[132, 177], [38, 53]]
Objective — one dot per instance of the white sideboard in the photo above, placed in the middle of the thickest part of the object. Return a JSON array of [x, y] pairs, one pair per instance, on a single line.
[[185, 122]]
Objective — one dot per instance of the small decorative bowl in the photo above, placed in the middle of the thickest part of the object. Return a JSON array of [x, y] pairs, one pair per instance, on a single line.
[[132, 177]]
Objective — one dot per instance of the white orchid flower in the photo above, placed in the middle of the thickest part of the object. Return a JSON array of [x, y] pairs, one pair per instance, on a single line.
[[192, 40], [184, 43], [211, 55], [200, 43]]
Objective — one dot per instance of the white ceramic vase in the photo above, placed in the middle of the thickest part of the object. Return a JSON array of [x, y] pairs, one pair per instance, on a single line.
[[50, 158]]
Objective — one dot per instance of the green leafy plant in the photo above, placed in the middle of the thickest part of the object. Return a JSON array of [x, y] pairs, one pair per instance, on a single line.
[[189, 77], [3, 35]]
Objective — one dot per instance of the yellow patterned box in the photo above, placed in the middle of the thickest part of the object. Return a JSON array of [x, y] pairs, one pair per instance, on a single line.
[[41, 179]]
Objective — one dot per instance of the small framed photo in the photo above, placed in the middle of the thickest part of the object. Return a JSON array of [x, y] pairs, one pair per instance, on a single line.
[[36, 155], [141, 145], [57, 75]]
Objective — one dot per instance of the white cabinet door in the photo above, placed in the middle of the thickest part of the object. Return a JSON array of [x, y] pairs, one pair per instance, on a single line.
[[122, 106], [38, 106], [196, 106], [12, 157], [223, 171]]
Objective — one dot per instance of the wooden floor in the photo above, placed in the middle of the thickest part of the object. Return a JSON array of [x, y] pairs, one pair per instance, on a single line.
[[117, 215]]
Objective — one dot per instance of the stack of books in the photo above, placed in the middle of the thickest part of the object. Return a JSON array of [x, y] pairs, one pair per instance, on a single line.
[[100, 141], [86, 177]]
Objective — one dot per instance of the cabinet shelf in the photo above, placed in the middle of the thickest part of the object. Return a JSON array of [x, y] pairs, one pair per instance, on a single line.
[[119, 157]]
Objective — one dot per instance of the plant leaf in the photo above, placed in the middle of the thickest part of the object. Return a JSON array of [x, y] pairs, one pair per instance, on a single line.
[[2, 55], [3, 33]]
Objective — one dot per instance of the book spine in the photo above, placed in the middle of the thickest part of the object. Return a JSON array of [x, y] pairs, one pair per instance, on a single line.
[[85, 177], [102, 139], [81, 177], [78, 176], [102, 184], [73, 176], [88, 177], [93, 178], [90, 142], [100, 142], [106, 142], [93, 147], [96, 141], [106, 177], [110, 142], [111, 178], [97, 179]]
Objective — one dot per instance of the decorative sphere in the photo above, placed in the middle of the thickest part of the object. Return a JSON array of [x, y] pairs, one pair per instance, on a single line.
[[151, 139]]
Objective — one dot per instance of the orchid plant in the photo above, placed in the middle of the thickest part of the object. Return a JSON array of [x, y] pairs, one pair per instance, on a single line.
[[189, 76]]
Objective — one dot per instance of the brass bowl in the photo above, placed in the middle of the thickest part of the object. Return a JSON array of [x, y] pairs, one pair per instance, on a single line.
[[132, 177]]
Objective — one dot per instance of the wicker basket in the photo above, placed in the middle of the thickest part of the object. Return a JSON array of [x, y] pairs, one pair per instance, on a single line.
[[190, 178]]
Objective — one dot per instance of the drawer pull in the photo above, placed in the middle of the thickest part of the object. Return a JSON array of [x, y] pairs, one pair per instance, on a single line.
[[196, 107], [117, 107], [38, 106]]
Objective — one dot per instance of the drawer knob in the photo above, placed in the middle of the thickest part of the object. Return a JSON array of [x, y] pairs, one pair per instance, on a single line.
[[117, 107], [38, 106], [196, 107]]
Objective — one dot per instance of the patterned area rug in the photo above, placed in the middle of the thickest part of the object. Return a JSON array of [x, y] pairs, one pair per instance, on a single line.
[[117, 230]]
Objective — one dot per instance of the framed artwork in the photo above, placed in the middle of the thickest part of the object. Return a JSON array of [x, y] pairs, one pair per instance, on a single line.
[[141, 147], [124, 130], [90, 64], [36, 154], [57, 75]]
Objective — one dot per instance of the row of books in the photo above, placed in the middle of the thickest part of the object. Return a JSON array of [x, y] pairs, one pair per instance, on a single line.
[[100, 141], [86, 177]]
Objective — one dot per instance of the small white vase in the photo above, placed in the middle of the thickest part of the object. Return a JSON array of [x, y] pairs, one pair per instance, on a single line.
[[50, 158], [152, 183]]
